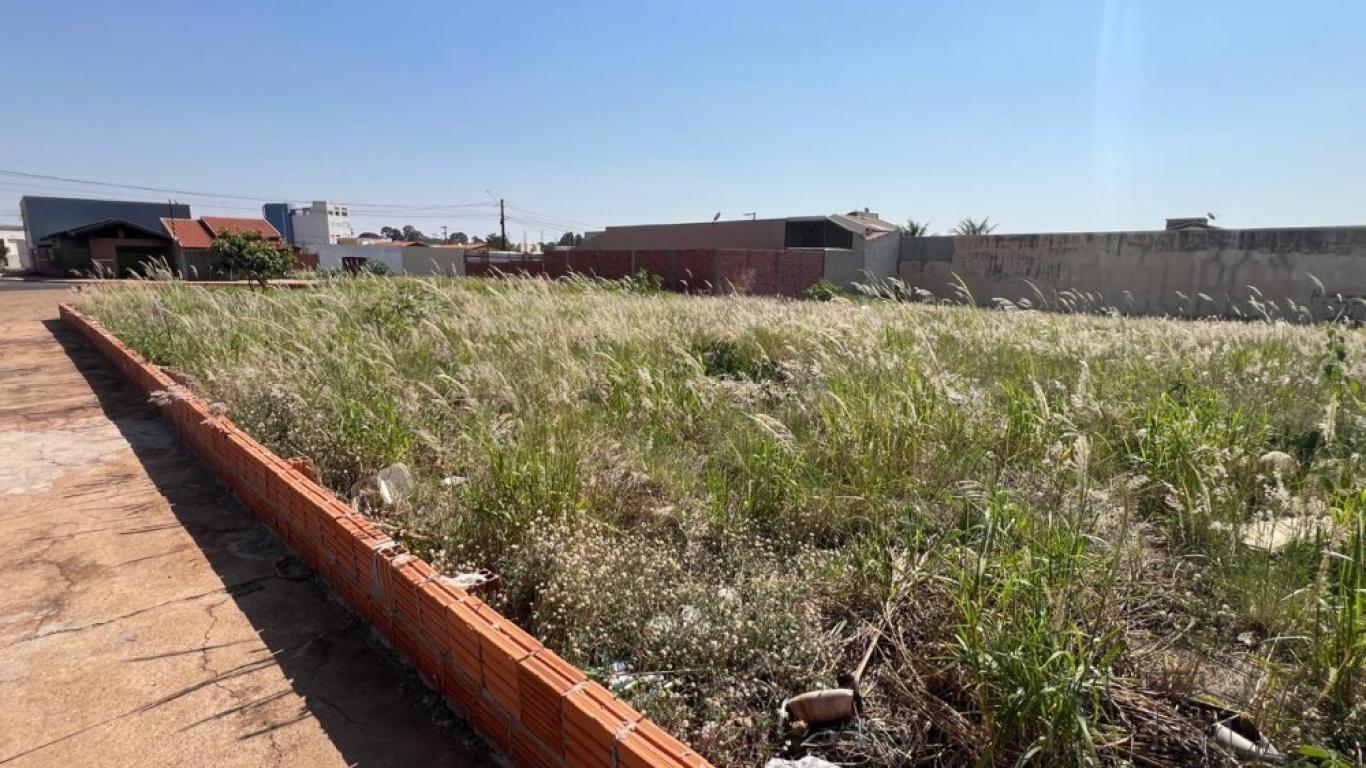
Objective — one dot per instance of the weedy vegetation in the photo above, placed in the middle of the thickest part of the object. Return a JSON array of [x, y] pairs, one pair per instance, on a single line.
[[1074, 536]]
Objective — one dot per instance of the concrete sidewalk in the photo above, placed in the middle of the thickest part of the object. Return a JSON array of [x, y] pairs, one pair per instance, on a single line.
[[145, 617]]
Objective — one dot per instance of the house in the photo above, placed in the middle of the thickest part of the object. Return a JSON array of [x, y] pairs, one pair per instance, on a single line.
[[859, 246], [16, 248], [191, 253], [109, 248], [67, 235]]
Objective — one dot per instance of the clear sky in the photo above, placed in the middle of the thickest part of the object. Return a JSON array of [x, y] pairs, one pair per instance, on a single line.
[[1042, 115]]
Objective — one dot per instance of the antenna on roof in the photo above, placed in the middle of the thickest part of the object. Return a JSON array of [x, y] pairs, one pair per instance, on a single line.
[[1211, 216], [717, 217], [751, 215]]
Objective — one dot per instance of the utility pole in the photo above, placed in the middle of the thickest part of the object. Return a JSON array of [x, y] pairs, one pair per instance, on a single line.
[[502, 222], [444, 236]]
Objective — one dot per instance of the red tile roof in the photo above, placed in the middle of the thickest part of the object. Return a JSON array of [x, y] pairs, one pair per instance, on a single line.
[[217, 225], [189, 233], [199, 233]]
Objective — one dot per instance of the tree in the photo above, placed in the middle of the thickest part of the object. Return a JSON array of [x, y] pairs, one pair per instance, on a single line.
[[570, 239], [971, 226], [251, 255], [369, 236], [499, 243], [916, 228], [391, 233], [413, 234], [458, 238]]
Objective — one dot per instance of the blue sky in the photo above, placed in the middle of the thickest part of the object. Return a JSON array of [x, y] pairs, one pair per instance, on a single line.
[[1043, 115]]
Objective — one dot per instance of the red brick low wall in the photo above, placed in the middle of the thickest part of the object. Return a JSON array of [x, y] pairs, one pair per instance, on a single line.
[[534, 706]]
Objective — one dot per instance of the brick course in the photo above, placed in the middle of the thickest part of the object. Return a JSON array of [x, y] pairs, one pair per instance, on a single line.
[[535, 707]]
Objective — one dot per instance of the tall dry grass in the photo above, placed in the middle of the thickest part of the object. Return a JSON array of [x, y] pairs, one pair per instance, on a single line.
[[712, 503]]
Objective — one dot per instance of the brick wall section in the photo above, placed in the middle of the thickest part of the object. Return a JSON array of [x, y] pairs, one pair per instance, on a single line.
[[534, 706], [476, 266], [767, 272]]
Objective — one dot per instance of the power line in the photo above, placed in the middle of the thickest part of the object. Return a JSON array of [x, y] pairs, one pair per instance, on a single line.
[[549, 217], [224, 195], [549, 224], [27, 182], [541, 224]]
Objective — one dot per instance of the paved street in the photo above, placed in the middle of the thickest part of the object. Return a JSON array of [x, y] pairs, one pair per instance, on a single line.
[[146, 618]]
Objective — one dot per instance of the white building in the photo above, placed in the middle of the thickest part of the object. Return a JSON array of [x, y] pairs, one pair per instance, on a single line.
[[320, 224], [16, 248]]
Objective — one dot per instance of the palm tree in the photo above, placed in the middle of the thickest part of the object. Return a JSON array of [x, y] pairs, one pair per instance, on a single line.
[[915, 228], [971, 226]]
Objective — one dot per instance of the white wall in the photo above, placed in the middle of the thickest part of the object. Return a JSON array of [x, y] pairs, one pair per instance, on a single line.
[[17, 246], [880, 258], [433, 261], [413, 260]]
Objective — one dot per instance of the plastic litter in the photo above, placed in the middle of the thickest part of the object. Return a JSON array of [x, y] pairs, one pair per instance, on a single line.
[[809, 761], [1247, 749], [1279, 464], [395, 482], [1275, 534], [476, 582]]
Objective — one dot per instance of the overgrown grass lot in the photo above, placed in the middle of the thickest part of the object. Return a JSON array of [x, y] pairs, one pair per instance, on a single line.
[[1076, 539]]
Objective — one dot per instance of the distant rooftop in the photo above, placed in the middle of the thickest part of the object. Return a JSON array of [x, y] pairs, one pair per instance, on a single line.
[[1190, 222]]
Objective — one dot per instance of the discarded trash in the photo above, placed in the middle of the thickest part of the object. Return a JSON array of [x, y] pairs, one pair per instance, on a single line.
[[476, 582], [394, 482], [1246, 748], [1237, 732], [450, 481], [814, 708], [1278, 464], [1275, 534], [620, 675], [809, 761]]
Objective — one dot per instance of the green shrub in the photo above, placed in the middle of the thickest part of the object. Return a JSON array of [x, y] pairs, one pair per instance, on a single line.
[[252, 256], [821, 290], [644, 283]]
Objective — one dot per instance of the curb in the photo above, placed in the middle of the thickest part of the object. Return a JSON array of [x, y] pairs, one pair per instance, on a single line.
[[529, 703]]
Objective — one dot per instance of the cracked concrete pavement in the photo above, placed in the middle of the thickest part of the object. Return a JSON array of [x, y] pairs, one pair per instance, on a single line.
[[145, 617]]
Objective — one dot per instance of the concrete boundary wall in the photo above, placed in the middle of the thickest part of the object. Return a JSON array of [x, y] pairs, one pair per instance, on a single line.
[[535, 707], [1153, 273]]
